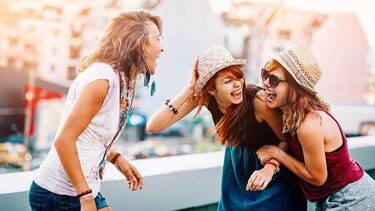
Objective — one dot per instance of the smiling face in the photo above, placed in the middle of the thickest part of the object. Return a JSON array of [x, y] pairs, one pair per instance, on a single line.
[[274, 83], [153, 47], [228, 89]]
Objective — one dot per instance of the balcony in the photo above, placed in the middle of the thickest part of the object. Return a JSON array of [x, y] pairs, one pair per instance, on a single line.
[[189, 182]]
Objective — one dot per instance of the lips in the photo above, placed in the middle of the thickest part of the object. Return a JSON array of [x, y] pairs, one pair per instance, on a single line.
[[271, 96], [237, 93]]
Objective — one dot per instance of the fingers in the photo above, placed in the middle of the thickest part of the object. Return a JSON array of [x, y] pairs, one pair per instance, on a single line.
[[139, 177], [257, 182], [251, 181], [134, 179], [265, 184]]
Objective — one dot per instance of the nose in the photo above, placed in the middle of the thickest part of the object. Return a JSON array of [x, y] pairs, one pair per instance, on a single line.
[[237, 83], [266, 82]]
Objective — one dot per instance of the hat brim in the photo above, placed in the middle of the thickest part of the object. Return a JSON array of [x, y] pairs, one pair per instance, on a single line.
[[286, 66], [202, 80]]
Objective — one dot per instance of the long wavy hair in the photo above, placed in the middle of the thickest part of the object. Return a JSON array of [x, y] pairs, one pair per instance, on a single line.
[[124, 43], [231, 126], [300, 102]]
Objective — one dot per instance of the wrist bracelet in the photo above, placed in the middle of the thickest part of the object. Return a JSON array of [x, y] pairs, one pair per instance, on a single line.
[[89, 191], [84, 196], [171, 108], [113, 160], [277, 168]]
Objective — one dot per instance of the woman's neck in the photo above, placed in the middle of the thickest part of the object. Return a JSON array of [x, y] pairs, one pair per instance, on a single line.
[[222, 107]]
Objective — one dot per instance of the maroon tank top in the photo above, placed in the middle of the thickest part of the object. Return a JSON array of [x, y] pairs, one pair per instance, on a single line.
[[342, 170]]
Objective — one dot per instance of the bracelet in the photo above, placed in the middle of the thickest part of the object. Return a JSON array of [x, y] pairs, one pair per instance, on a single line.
[[171, 108], [277, 168], [84, 196], [113, 160], [84, 193]]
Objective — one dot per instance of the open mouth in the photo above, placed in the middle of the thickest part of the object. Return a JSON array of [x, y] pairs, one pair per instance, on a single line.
[[271, 95], [237, 93]]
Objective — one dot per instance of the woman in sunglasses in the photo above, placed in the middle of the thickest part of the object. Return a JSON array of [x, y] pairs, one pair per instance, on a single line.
[[320, 156], [94, 116], [243, 124]]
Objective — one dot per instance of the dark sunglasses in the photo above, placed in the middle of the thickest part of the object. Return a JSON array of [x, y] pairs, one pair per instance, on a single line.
[[272, 79]]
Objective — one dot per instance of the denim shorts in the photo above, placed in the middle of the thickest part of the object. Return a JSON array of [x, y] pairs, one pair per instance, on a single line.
[[41, 199], [359, 195]]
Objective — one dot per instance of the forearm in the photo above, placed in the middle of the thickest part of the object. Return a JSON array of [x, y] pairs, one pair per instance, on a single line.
[[67, 152], [283, 145], [298, 168], [112, 155], [164, 117]]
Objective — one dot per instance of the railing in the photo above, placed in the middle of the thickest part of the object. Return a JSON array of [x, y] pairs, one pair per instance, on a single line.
[[170, 183]]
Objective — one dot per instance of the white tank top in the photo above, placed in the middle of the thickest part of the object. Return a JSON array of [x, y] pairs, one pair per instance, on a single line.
[[91, 144]]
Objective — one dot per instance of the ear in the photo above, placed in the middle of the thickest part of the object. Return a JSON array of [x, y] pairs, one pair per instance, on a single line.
[[211, 92]]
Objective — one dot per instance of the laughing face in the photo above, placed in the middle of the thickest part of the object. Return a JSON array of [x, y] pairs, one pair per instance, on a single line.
[[153, 48], [228, 90], [276, 87]]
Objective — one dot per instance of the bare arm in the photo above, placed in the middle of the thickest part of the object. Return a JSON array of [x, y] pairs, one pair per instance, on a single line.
[[311, 137], [273, 119], [261, 178], [163, 118], [84, 109]]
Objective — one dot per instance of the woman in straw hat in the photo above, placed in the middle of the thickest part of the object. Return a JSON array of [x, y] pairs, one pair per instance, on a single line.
[[95, 113], [243, 124], [320, 156]]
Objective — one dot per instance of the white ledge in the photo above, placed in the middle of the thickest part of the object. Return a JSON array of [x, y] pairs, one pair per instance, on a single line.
[[170, 183]]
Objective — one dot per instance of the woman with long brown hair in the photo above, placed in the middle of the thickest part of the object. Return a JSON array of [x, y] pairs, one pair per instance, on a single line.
[[94, 116], [243, 124], [320, 156]]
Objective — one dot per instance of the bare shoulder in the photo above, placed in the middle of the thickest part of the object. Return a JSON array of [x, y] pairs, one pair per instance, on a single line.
[[96, 91], [311, 125]]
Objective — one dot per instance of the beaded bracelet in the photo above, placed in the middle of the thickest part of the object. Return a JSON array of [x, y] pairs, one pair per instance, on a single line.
[[84, 193], [113, 160], [277, 168], [171, 108]]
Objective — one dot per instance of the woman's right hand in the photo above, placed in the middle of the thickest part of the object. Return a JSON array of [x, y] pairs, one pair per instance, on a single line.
[[88, 204], [193, 74]]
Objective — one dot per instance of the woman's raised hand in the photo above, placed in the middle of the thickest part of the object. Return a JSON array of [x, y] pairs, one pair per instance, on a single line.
[[193, 74]]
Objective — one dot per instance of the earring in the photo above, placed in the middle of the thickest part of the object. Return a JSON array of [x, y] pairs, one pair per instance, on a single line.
[[147, 78], [153, 88], [211, 93]]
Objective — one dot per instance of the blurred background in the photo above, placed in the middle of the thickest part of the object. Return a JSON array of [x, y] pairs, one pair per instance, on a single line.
[[42, 42]]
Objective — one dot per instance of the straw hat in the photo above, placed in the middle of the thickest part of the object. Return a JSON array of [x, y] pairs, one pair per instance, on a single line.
[[302, 65], [212, 61]]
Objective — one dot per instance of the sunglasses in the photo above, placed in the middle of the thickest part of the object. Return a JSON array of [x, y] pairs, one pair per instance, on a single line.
[[272, 79]]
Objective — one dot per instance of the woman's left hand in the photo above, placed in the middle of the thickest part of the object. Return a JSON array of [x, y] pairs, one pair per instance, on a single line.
[[259, 179], [267, 152], [133, 177]]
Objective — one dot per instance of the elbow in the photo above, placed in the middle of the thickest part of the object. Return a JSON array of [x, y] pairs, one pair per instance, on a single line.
[[58, 145], [319, 181], [151, 128]]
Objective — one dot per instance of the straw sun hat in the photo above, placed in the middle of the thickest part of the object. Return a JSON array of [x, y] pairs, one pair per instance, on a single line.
[[212, 61], [302, 65]]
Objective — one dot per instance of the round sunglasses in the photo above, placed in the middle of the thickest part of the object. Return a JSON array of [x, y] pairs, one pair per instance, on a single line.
[[273, 80]]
